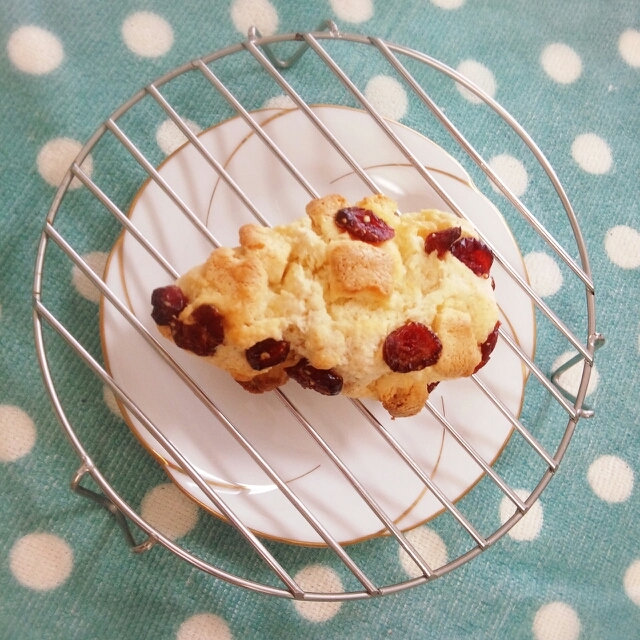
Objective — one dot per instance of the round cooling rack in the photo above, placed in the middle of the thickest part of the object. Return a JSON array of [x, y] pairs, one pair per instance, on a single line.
[[292, 467]]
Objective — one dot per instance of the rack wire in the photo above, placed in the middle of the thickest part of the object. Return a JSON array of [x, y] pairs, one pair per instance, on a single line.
[[63, 237]]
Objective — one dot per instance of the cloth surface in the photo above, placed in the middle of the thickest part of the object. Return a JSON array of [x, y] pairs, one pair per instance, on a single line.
[[570, 74]]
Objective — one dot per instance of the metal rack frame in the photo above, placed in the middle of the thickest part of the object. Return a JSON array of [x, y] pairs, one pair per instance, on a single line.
[[261, 50]]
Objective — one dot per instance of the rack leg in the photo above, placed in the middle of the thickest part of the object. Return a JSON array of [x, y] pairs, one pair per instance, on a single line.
[[105, 503], [597, 340], [327, 25]]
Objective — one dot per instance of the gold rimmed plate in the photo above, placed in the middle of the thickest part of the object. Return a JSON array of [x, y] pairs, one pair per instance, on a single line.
[[132, 274]]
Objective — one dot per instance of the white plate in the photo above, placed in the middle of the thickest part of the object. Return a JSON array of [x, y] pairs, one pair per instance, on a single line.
[[264, 420]]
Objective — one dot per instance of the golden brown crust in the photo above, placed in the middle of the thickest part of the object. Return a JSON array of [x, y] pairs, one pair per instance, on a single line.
[[402, 396], [267, 381], [460, 350], [359, 267], [322, 211]]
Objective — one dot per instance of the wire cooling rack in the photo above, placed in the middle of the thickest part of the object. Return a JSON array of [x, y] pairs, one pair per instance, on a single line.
[[67, 235]]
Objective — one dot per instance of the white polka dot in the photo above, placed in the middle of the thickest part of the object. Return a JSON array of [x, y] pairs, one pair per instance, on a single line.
[[254, 13], [110, 400], [528, 527], [561, 63], [280, 102], [387, 96], [632, 582], [167, 509], [570, 379], [204, 626], [318, 579], [556, 621], [622, 245], [41, 561], [544, 273], [448, 4], [147, 34], [170, 138], [592, 153], [97, 260], [56, 157], [512, 172], [17, 433], [611, 479], [480, 76], [35, 50], [429, 545], [353, 10], [629, 47]]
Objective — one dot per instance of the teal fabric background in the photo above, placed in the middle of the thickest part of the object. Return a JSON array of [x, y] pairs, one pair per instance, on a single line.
[[65, 570]]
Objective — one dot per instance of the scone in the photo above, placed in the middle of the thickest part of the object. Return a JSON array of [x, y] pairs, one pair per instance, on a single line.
[[353, 300]]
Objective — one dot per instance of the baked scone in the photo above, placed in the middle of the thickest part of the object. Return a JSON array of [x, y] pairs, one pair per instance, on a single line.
[[353, 300]]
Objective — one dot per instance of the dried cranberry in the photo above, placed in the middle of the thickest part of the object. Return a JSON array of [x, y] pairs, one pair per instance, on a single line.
[[487, 347], [432, 385], [441, 241], [167, 304], [324, 381], [202, 336], [475, 254], [267, 353], [362, 224], [411, 347]]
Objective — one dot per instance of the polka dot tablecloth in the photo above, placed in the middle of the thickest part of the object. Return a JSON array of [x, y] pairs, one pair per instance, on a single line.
[[570, 73]]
